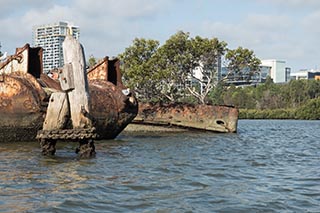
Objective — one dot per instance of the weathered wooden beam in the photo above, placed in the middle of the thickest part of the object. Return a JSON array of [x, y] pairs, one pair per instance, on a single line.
[[57, 112], [76, 71], [66, 78]]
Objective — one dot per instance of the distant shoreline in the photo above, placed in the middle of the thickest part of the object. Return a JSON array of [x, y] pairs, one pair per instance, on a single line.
[[281, 114]]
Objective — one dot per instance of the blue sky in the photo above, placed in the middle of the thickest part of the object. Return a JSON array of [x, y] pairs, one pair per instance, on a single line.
[[273, 29]]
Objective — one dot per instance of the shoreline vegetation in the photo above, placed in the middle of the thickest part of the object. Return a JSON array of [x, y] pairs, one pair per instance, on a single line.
[[298, 99], [310, 111]]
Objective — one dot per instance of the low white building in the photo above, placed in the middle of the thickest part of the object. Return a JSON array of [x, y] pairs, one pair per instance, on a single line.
[[306, 74], [278, 70]]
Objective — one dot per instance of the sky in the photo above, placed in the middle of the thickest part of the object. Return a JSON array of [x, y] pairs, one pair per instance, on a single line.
[[274, 29]]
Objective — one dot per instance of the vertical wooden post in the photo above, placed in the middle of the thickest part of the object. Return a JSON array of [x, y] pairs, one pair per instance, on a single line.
[[72, 104], [74, 61]]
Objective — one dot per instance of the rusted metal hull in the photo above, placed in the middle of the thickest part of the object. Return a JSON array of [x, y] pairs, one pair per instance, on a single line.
[[25, 93], [22, 105], [112, 105], [203, 117], [111, 109]]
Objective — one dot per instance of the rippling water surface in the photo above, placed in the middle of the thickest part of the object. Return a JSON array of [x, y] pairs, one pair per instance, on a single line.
[[268, 166]]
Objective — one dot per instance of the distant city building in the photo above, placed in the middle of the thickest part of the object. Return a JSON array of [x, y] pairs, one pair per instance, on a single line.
[[275, 69], [245, 77], [288, 74], [50, 37], [278, 70], [306, 74]]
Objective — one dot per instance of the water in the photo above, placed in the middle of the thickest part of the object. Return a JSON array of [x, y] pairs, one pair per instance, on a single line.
[[268, 166]]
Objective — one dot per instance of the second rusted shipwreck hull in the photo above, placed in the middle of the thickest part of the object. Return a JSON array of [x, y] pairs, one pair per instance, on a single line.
[[25, 92], [222, 119]]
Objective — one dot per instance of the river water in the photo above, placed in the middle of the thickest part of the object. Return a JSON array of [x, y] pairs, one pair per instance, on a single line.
[[268, 166]]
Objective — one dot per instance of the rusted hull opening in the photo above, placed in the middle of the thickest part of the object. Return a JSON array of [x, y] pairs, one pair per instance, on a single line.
[[35, 62], [114, 75], [107, 70], [112, 110]]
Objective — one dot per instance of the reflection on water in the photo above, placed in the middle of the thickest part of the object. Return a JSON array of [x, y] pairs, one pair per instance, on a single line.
[[268, 166]]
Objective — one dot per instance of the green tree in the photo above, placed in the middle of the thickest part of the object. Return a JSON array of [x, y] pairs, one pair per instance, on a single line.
[[242, 63], [215, 95], [297, 92], [92, 61], [206, 56], [166, 73], [181, 55], [176, 58], [311, 110], [313, 89], [227, 95], [1, 54], [139, 69]]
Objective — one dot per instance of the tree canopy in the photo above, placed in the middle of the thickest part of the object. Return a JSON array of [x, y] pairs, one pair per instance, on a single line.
[[167, 72], [184, 67], [139, 70], [1, 54], [242, 63], [91, 61], [207, 53]]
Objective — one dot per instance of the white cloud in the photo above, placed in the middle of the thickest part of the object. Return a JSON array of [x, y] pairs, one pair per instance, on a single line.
[[14, 7], [252, 31], [269, 36], [54, 14], [107, 26], [120, 8], [310, 23], [286, 29], [103, 24], [293, 4], [19, 28]]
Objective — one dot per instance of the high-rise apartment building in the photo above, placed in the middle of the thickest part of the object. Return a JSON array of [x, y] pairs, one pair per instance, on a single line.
[[50, 37]]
